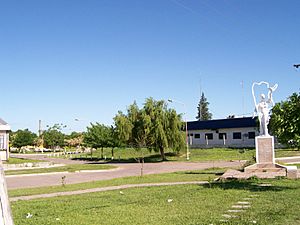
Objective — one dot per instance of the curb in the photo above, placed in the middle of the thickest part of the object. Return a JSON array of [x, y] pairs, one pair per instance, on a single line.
[[33, 167], [287, 158], [34, 174]]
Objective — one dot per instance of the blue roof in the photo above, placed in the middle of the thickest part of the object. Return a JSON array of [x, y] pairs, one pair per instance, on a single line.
[[223, 123]]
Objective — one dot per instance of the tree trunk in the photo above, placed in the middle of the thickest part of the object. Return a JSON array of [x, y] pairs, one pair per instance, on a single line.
[[102, 153], [162, 153], [141, 161], [112, 153]]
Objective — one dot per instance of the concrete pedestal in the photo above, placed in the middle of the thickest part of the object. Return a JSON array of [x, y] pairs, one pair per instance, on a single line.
[[291, 172], [265, 150], [265, 157]]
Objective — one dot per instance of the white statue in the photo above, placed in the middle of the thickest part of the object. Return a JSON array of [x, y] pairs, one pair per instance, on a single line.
[[262, 109]]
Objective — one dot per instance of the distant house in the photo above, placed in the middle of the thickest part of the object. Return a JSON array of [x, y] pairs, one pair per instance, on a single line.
[[4, 140], [233, 132]]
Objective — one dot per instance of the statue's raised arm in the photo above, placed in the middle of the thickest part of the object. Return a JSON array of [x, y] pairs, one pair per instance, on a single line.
[[270, 94]]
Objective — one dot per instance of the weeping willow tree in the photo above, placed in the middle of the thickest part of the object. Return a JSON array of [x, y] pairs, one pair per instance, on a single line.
[[153, 126]]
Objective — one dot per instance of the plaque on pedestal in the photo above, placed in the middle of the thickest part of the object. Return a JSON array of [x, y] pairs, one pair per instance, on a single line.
[[265, 150]]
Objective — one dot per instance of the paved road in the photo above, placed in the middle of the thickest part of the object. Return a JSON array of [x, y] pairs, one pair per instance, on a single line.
[[291, 160], [124, 170]]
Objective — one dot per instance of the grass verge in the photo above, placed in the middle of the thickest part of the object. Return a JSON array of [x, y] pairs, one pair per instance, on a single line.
[[67, 168], [169, 205], [20, 161], [196, 155]]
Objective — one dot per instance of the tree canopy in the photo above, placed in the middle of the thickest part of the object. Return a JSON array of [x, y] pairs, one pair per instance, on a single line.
[[203, 111], [285, 121], [101, 136], [97, 136], [53, 137], [154, 126], [74, 139], [22, 138]]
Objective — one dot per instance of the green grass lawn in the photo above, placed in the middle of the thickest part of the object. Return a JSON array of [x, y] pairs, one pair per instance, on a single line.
[[217, 154], [67, 168], [197, 175], [196, 155], [286, 153], [191, 204], [20, 161]]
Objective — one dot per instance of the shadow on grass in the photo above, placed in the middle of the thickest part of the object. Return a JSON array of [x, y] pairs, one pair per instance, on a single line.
[[147, 159], [214, 172], [288, 150], [253, 185]]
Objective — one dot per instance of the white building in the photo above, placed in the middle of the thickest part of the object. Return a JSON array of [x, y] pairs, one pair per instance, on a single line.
[[235, 132], [4, 140]]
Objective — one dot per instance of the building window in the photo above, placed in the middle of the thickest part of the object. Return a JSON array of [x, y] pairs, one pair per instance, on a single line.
[[251, 135], [1, 141], [197, 136], [209, 136], [237, 135], [222, 136]]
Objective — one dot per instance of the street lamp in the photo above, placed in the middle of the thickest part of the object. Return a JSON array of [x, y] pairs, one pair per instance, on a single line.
[[186, 128]]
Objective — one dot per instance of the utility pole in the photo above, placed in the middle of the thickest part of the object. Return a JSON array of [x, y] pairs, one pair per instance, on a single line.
[[186, 128], [243, 98], [40, 128], [200, 114], [41, 136]]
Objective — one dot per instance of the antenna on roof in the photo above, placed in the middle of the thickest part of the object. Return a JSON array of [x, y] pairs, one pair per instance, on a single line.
[[243, 99], [200, 89], [200, 85]]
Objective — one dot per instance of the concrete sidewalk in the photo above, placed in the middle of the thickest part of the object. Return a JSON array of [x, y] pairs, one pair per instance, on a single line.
[[289, 160], [102, 189]]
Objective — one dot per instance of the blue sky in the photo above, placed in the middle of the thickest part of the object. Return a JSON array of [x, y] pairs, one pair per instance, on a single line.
[[63, 59]]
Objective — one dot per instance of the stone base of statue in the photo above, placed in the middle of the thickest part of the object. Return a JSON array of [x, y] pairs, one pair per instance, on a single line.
[[265, 159]]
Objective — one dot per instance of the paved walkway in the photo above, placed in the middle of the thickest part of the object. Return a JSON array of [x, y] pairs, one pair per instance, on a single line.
[[102, 189], [289, 160], [125, 170]]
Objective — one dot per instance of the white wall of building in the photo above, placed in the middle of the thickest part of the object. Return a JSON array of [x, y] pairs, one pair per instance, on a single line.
[[3, 140], [4, 144], [230, 141]]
